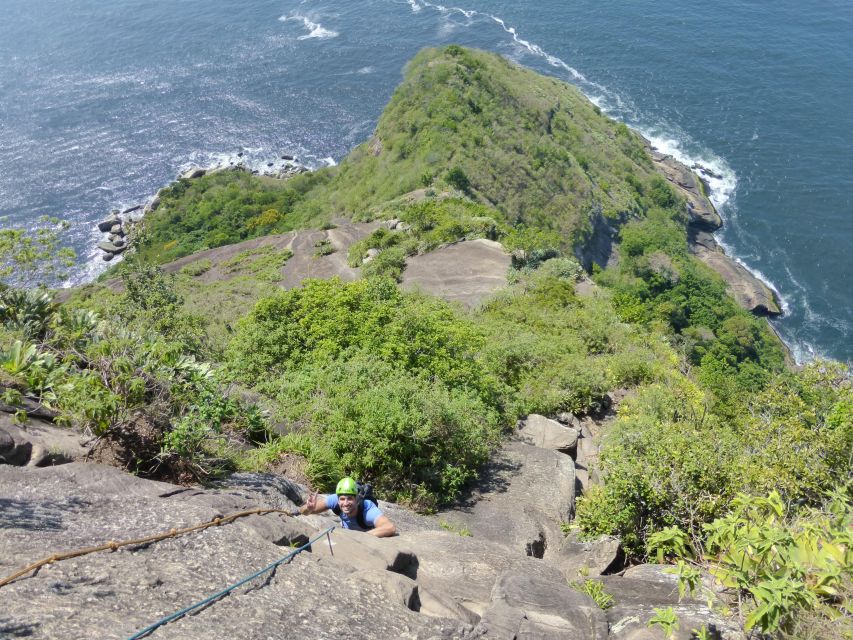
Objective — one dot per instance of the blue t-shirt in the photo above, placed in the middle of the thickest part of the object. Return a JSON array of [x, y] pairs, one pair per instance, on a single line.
[[371, 513]]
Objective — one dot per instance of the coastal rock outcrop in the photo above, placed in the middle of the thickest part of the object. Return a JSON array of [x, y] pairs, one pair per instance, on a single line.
[[749, 291]]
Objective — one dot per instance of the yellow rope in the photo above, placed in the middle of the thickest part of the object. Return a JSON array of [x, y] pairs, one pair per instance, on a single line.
[[112, 545]]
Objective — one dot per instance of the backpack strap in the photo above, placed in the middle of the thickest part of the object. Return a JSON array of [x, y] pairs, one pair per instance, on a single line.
[[360, 515]]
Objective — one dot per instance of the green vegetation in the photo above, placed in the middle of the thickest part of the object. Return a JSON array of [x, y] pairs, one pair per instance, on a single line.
[[132, 377], [388, 385], [671, 462], [783, 572], [530, 146], [34, 256], [221, 208], [595, 590]]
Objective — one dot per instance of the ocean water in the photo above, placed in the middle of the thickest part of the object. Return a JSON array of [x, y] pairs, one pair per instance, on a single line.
[[101, 103]]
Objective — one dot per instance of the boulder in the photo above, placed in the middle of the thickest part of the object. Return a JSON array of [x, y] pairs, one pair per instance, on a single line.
[[577, 559], [192, 173], [643, 588], [108, 223], [13, 449], [564, 417], [528, 606], [152, 204], [135, 207], [117, 229], [37, 443], [548, 434], [107, 257], [109, 247]]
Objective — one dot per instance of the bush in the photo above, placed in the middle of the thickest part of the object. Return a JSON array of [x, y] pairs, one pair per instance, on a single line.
[[416, 439], [671, 462], [324, 320], [456, 178]]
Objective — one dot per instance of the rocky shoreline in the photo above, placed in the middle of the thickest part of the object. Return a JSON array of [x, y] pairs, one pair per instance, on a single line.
[[749, 291], [119, 225]]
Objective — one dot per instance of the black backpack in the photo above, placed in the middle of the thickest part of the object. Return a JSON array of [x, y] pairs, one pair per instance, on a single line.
[[365, 492]]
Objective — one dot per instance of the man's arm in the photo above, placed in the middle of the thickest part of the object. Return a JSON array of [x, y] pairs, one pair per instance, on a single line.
[[383, 527], [314, 504]]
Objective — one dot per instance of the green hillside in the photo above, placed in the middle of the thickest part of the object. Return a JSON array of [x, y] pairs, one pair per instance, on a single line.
[[530, 146]]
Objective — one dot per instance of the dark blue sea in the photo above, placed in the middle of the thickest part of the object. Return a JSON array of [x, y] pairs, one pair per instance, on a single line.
[[101, 103]]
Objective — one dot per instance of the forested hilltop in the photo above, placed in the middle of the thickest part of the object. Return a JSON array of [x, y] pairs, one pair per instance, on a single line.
[[208, 351]]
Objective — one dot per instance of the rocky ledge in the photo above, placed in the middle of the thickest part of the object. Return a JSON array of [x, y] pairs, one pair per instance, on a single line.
[[497, 565], [750, 292]]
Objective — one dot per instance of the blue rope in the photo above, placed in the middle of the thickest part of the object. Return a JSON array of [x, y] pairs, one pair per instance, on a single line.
[[215, 596]]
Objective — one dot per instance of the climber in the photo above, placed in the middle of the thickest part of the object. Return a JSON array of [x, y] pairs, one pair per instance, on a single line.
[[356, 514]]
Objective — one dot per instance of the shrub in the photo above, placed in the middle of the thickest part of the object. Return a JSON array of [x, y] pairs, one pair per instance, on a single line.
[[417, 440], [323, 320], [456, 178]]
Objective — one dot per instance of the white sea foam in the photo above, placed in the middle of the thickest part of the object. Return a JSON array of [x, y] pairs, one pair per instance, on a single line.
[[315, 29], [366, 70]]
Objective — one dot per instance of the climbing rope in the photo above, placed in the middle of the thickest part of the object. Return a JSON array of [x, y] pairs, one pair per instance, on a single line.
[[112, 545], [228, 590]]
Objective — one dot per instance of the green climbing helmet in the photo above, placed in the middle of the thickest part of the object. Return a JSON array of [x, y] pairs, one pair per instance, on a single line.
[[347, 487]]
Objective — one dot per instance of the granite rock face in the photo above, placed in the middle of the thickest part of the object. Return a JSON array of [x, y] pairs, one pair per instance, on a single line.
[[495, 567], [522, 496], [465, 272], [38, 443], [113, 595]]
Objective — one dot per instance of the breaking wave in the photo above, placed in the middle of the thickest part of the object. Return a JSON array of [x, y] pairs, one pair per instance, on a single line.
[[315, 29]]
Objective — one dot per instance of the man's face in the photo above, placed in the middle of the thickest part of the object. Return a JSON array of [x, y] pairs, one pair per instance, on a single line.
[[347, 504]]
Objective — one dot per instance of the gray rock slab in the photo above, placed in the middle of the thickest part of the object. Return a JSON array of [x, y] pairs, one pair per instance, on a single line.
[[465, 272], [461, 571], [548, 434], [109, 247], [303, 264], [522, 496], [643, 588], [528, 606], [113, 595]]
